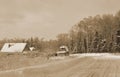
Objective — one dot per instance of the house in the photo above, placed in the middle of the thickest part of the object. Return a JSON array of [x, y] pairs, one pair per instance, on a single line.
[[13, 47]]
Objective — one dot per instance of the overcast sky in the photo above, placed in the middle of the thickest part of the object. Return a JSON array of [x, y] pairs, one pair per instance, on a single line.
[[47, 18]]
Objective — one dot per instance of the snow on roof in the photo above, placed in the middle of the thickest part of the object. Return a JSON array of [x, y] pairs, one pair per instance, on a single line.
[[13, 47]]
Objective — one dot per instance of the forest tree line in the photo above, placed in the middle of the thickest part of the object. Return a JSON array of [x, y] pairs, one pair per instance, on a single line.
[[91, 34]]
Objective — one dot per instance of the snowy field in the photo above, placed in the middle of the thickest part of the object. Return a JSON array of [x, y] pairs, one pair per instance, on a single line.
[[75, 65]]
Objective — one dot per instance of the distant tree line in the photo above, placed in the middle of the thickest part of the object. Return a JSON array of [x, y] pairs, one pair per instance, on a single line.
[[91, 34], [96, 34]]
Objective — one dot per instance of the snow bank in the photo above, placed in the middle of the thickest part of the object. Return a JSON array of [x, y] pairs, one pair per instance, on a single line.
[[97, 55], [89, 54]]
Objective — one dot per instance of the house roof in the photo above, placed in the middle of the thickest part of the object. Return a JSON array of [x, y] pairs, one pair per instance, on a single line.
[[13, 47]]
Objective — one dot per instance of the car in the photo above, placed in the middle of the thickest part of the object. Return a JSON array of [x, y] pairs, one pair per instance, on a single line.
[[63, 50]]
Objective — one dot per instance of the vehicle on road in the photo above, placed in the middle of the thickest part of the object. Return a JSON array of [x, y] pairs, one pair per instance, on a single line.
[[63, 50]]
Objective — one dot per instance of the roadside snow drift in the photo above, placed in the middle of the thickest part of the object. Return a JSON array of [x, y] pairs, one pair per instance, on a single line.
[[97, 55]]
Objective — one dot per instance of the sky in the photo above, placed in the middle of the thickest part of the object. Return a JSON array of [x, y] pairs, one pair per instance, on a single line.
[[47, 18]]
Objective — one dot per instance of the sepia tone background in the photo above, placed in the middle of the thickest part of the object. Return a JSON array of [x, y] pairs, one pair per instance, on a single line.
[[85, 38], [47, 18]]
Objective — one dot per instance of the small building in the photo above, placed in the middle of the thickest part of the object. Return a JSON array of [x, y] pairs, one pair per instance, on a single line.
[[13, 47]]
